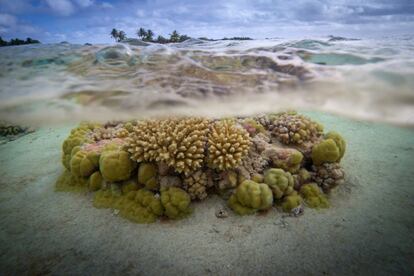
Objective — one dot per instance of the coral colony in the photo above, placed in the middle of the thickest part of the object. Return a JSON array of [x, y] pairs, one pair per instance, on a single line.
[[152, 168]]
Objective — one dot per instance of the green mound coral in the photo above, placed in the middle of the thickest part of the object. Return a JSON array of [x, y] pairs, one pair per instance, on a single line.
[[280, 182], [140, 206], [115, 165], [326, 151], [95, 181], [291, 202], [340, 142], [147, 176], [106, 198], [251, 197], [70, 183], [84, 163], [313, 196], [77, 137], [176, 202]]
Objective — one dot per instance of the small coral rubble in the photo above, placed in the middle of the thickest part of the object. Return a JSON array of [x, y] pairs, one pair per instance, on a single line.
[[151, 168]]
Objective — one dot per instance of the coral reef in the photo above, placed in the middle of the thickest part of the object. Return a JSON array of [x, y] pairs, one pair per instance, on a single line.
[[154, 168], [251, 197]]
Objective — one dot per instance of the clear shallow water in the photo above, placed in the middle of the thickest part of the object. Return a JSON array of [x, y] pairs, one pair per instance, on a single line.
[[364, 79]]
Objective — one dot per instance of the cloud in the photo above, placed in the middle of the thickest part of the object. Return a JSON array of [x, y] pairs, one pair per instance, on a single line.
[[10, 25], [61, 7], [106, 5], [84, 3]]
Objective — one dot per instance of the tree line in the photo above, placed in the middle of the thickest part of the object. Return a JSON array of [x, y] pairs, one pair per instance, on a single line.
[[17, 41], [148, 35]]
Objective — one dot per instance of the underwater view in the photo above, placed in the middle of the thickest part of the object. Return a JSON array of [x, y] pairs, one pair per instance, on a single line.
[[212, 153]]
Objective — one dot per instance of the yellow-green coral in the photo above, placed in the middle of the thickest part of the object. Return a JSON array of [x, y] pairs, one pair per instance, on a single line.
[[313, 196], [95, 181], [280, 182], [70, 183], [228, 144], [291, 202], [340, 142], [115, 165], [176, 202], [250, 197], [147, 176], [84, 163], [326, 151], [77, 137], [140, 206]]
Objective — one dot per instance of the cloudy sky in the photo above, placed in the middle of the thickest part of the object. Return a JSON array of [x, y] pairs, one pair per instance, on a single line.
[[81, 21]]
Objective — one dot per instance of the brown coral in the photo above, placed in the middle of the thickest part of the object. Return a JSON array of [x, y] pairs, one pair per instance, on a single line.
[[228, 144], [292, 128], [197, 183], [328, 175], [180, 143]]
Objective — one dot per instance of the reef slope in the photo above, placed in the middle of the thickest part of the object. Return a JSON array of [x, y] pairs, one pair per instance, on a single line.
[[368, 229]]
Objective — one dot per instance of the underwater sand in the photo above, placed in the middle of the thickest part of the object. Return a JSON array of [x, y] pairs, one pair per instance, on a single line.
[[367, 231]]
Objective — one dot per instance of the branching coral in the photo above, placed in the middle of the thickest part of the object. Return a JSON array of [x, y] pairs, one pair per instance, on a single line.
[[250, 197], [280, 182], [180, 143], [293, 128], [228, 144], [328, 175]]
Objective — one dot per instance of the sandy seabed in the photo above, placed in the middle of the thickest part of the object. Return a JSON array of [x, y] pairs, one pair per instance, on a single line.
[[369, 230]]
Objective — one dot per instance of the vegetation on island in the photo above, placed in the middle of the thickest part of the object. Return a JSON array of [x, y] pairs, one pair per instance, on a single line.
[[149, 36], [17, 41]]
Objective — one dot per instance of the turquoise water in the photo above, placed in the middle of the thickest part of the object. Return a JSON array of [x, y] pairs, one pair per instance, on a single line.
[[364, 79]]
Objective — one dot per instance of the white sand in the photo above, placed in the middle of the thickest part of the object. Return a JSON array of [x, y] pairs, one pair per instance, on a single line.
[[369, 230]]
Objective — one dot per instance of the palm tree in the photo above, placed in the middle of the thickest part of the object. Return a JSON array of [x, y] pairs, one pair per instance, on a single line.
[[150, 35], [142, 33], [121, 36], [115, 34], [161, 39], [174, 37]]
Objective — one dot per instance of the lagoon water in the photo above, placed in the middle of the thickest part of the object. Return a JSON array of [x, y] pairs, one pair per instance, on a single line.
[[365, 79], [367, 86]]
